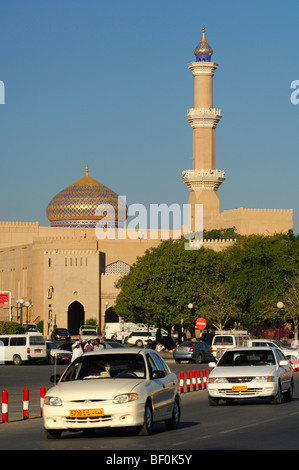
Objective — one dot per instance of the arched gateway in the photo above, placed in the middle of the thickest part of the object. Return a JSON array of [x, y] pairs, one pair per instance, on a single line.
[[75, 317]]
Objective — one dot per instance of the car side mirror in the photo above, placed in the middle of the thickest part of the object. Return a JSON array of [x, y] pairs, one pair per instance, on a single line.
[[283, 362], [158, 374], [54, 378]]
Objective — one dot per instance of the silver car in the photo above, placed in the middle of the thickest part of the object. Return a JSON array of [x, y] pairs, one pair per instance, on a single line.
[[113, 388], [253, 372]]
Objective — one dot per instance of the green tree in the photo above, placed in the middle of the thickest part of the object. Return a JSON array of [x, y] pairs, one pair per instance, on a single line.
[[162, 283], [258, 269], [219, 309]]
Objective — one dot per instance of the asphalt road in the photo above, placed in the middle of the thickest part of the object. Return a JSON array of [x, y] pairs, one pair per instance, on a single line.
[[248, 425]]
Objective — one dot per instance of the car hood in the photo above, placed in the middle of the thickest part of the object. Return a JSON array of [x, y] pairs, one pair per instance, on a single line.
[[242, 371], [60, 351], [94, 389]]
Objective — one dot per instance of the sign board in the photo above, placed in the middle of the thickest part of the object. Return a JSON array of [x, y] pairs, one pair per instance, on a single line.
[[5, 301], [201, 323], [4, 298]]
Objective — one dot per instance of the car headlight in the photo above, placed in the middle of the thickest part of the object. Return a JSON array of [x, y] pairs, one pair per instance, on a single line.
[[217, 380], [265, 378], [53, 401], [125, 398]]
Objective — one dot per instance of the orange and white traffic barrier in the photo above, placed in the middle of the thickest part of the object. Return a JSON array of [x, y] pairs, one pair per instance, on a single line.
[[204, 376], [182, 382], [193, 381], [42, 398], [4, 406], [25, 403], [198, 379], [188, 382]]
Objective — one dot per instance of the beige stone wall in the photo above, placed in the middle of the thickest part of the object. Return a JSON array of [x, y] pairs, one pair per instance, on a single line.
[[72, 261], [255, 221]]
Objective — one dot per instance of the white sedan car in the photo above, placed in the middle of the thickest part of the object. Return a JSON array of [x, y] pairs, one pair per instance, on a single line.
[[115, 388], [255, 372]]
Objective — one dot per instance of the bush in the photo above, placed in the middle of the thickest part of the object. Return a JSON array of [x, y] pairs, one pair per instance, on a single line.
[[11, 328]]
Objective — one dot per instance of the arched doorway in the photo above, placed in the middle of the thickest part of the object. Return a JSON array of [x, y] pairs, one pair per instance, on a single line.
[[110, 316], [75, 317]]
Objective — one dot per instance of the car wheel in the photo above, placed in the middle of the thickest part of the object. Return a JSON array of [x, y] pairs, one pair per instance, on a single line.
[[277, 400], [288, 396], [139, 343], [174, 421], [213, 401], [147, 427], [53, 433], [17, 360]]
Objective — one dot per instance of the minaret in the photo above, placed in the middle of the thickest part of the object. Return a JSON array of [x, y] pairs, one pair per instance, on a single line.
[[203, 180]]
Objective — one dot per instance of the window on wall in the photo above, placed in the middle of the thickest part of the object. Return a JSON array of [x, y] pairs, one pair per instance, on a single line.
[[119, 267]]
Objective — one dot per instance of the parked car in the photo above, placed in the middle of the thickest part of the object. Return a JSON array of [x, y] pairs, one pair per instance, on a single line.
[[274, 344], [141, 338], [193, 351], [252, 372], [105, 344], [22, 348], [87, 332], [54, 352], [60, 334], [116, 388]]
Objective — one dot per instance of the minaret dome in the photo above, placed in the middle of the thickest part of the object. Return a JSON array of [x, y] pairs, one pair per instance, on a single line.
[[203, 52]]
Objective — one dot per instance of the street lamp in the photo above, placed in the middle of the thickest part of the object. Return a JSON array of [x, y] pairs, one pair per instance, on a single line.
[[279, 305], [20, 303]]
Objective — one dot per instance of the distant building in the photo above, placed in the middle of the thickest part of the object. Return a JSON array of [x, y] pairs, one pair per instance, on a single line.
[[67, 272]]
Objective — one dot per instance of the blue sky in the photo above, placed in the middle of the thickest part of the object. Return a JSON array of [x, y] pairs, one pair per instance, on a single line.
[[106, 83]]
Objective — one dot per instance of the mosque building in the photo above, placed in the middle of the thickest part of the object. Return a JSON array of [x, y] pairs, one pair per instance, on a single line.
[[65, 273]]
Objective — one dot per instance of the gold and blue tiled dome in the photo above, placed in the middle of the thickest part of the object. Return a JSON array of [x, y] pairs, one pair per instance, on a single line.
[[203, 52], [87, 203]]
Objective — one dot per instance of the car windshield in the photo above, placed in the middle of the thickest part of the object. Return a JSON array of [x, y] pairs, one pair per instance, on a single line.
[[250, 358], [107, 365]]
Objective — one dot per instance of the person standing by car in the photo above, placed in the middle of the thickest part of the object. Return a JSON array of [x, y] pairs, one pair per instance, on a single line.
[[97, 345], [88, 347], [77, 350], [159, 347]]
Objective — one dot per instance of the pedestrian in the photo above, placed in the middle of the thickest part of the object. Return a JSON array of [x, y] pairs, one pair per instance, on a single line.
[[159, 347], [88, 346], [97, 345], [77, 350]]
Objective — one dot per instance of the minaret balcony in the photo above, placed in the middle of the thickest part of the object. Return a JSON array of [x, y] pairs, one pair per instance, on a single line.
[[203, 68], [204, 179], [204, 117]]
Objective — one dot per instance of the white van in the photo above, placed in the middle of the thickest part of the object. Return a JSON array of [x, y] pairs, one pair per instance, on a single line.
[[22, 348], [224, 340], [122, 330]]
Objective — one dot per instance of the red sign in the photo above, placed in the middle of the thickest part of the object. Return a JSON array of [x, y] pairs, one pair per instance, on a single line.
[[4, 298], [201, 323]]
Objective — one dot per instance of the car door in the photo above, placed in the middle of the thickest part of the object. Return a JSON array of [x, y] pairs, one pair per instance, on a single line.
[[285, 372], [162, 389]]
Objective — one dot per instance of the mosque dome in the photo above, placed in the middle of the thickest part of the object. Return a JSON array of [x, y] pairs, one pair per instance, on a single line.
[[87, 203], [203, 52]]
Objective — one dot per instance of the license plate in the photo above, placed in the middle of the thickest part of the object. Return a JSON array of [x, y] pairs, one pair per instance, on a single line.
[[88, 413], [37, 350], [182, 350], [62, 337], [240, 388], [65, 358]]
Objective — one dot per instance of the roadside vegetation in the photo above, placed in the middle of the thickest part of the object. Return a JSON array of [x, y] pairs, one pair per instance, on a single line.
[[239, 286]]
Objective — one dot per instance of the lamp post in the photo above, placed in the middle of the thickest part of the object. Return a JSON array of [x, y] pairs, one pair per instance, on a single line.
[[27, 305], [279, 305], [20, 303]]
